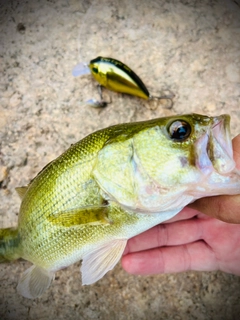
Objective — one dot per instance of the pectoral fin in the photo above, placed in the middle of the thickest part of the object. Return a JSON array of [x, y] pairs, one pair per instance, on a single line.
[[34, 282], [99, 261], [92, 215]]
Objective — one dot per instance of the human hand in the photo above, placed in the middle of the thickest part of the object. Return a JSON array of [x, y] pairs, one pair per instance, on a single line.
[[191, 240]]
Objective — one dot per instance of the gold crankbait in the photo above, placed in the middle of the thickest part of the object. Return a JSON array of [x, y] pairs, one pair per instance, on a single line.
[[115, 76]]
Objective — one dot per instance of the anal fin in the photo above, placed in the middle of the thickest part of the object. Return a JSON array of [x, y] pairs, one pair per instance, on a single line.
[[99, 261], [34, 282]]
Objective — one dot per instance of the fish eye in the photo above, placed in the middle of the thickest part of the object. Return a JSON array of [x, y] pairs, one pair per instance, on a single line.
[[179, 130], [95, 70]]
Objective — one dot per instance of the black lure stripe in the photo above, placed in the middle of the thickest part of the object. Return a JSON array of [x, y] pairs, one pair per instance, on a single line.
[[124, 68]]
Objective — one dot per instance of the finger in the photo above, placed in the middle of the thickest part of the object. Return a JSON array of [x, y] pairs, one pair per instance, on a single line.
[[225, 208], [185, 214], [236, 150], [171, 234], [192, 256]]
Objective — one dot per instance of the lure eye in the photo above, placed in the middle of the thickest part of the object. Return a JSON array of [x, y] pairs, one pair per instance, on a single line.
[[179, 130], [95, 70]]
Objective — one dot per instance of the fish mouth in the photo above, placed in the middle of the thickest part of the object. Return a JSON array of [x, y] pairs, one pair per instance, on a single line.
[[214, 150]]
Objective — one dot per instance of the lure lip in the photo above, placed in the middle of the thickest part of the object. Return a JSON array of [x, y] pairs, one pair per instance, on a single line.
[[81, 69]]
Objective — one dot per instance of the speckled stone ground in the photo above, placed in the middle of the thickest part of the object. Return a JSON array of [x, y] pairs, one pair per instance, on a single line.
[[189, 47]]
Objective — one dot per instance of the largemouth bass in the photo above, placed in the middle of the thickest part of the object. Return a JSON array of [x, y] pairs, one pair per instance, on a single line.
[[112, 185]]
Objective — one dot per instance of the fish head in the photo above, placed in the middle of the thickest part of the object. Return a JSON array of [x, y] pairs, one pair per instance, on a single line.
[[200, 154], [166, 163]]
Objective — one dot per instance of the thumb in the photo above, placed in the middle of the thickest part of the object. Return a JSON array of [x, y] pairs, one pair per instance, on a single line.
[[225, 208]]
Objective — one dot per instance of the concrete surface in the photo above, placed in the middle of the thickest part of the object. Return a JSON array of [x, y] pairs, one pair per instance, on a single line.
[[189, 47]]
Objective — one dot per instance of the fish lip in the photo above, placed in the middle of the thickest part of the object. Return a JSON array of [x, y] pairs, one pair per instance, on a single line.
[[221, 132], [220, 145], [214, 152]]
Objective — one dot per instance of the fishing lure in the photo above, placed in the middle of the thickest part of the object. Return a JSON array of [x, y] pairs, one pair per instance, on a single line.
[[116, 76]]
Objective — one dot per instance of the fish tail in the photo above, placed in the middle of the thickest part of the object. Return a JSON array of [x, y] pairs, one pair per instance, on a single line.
[[9, 244]]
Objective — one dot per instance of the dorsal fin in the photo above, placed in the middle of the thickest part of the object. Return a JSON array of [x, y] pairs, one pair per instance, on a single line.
[[21, 191]]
